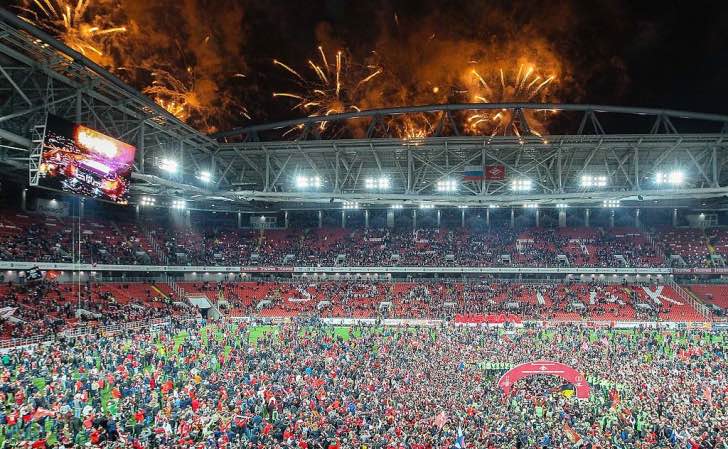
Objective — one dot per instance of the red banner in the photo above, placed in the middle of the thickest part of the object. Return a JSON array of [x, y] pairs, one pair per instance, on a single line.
[[542, 367], [491, 318], [700, 270], [495, 172], [266, 269]]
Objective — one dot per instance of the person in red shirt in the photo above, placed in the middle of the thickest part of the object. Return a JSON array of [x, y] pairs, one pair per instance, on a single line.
[[95, 437]]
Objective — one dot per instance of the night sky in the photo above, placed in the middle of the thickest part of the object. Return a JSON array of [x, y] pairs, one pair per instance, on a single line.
[[637, 53], [620, 52]]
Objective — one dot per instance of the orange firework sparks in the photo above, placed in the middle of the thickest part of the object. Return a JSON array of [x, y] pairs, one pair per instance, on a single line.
[[198, 96], [187, 98], [414, 126], [526, 84], [82, 25], [335, 86], [176, 96]]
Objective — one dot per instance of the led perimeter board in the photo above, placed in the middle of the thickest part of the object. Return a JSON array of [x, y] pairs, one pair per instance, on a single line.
[[84, 161]]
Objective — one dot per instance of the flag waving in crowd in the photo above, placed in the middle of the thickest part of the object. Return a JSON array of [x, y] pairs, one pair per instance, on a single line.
[[460, 440]]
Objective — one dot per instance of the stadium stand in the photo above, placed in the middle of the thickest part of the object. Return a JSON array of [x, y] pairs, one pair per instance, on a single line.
[[711, 294], [32, 237]]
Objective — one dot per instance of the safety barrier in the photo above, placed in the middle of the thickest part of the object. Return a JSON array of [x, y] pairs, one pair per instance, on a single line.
[[82, 331]]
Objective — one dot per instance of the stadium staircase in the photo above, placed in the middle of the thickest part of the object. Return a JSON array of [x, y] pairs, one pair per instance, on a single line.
[[159, 292], [658, 248], [716, 294], [152, 239], [691, 299]]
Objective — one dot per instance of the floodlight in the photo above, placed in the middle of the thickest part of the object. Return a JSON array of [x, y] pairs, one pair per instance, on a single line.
[[521, 185]]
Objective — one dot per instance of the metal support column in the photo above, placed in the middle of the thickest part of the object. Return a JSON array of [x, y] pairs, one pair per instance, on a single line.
[[637, 169], [267, 172], [559, 170], [79, 106], [410, 163], [140, 147], [714, 163], [337, 189]]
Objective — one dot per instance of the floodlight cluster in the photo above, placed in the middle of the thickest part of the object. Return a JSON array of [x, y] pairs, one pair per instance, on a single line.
[[168, 165], [674, 178], [446, 185], [204, 176], [377, 183], [308, 182], [521, 185], [593, 181]]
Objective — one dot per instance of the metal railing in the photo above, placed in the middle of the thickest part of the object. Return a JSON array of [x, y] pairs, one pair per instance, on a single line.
[[690, 299], [657, 248], [81, 331], [152, 239]]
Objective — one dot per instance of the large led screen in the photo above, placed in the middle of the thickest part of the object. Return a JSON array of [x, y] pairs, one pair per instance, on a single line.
[[86, 162]]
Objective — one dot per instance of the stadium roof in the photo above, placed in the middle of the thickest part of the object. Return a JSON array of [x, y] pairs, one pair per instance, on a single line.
[[622, 150]]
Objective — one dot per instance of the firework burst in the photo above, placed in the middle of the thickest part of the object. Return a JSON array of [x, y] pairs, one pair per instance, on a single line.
[[82, 25], [200, 95], [189, 99], [523, 85], [335, 85], [413, 127], [173, 94]]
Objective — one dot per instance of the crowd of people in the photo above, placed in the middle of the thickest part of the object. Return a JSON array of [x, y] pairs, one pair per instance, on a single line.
[[442, 299], [29, 237], [305, 385], [424, 247], [47, 307]]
